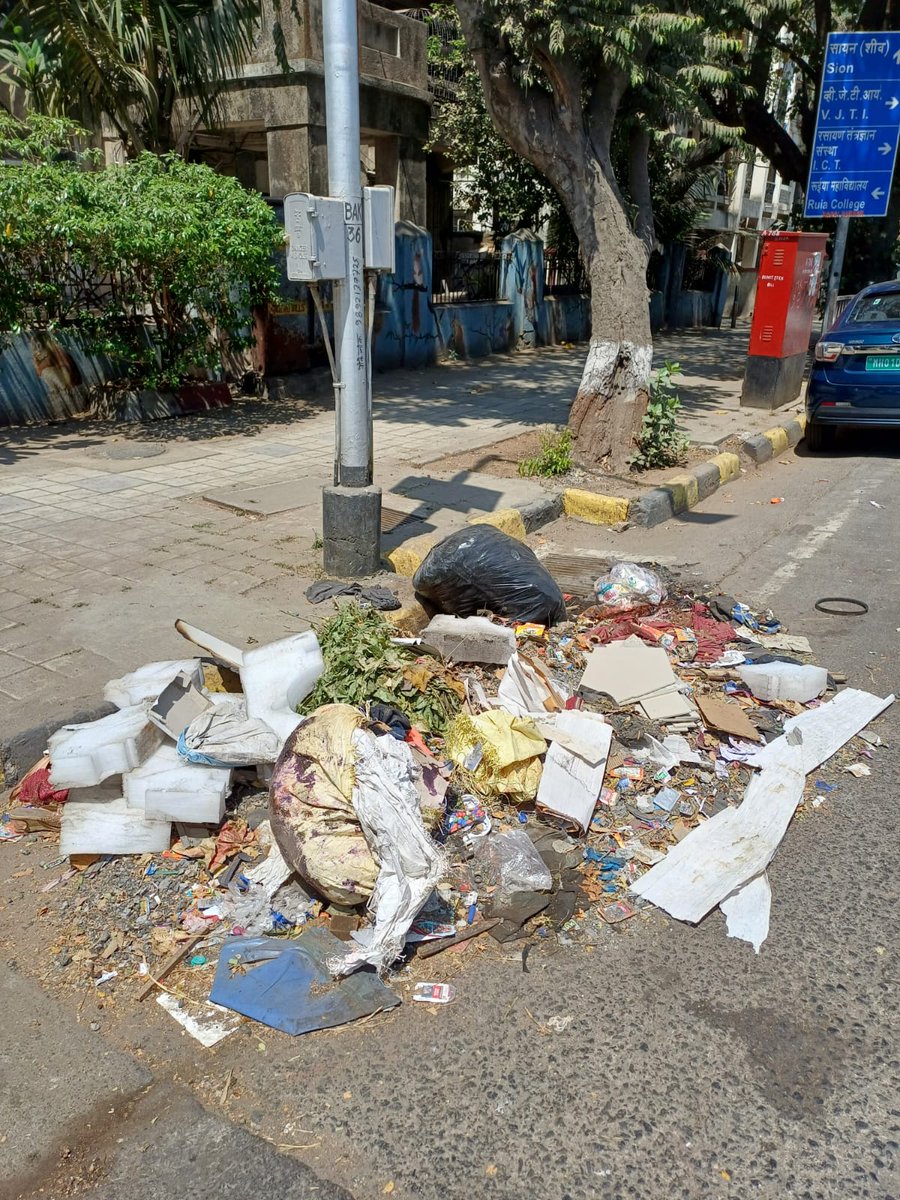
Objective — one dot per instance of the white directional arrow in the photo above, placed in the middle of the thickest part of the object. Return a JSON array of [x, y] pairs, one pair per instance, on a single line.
[[886, 147], [892, 103], [878, 193], [897, 57]]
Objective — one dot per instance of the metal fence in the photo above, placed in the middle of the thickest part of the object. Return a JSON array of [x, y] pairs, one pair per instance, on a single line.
[[464, 277], [564, 275]]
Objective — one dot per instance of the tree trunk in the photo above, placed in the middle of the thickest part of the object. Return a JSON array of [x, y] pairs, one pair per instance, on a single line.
[[614, 389]]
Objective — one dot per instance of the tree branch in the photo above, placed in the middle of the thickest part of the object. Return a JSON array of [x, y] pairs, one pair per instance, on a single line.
[[525, 119], [639, 184]]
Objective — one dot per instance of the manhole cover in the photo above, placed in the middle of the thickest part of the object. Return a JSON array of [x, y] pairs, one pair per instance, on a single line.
[[132, 450]]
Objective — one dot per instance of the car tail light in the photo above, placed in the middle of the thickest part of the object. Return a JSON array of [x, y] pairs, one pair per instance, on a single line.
[[828, 351]]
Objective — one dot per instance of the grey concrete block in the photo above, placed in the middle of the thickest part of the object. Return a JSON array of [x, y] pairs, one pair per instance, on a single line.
[[708, 479], [351, 531], [758, 448], [541, 512], [652, 508], [470, 639], [794, 430]]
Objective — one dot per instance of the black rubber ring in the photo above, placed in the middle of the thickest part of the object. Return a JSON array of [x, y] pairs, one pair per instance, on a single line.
[[861, 607]]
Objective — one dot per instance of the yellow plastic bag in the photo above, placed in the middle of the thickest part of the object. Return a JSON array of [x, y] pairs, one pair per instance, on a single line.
[[511, 749]]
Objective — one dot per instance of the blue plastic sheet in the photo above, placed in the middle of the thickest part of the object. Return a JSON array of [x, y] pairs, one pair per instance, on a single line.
[[287, 985]]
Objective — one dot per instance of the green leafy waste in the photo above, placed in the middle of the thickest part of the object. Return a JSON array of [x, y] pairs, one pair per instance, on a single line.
[[362, 665]]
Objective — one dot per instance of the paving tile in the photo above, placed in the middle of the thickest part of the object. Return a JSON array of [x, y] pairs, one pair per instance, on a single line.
[[31, 684], [10, 665], [108, 483]]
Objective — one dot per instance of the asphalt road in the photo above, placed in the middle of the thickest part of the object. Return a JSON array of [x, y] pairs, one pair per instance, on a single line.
[[682, 1065]]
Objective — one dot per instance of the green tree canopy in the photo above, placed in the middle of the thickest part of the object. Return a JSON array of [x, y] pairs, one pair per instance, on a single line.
[[129, 61], [156, 263]]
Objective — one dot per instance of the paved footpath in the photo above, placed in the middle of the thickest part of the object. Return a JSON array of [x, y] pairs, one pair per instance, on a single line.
[[106, 538]]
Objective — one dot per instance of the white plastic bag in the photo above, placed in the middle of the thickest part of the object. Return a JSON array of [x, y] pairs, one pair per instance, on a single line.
[[627, 586], [387, 804], [513, 865], [226, 735]]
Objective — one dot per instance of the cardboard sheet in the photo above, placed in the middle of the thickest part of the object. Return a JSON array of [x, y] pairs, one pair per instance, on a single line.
[[570, 784], [727, 716]]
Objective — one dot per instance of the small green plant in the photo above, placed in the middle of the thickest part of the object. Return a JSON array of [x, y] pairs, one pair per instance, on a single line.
[[555, 457], [318, 544], [660, 443]]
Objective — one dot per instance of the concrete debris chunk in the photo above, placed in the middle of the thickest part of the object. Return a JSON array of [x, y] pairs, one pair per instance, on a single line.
[[470, 639]]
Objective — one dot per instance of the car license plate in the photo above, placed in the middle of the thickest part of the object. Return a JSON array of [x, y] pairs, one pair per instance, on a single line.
[[883, 362]]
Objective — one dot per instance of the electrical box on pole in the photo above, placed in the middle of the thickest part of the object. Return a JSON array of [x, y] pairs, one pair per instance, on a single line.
[[317, 249], [378, 228]]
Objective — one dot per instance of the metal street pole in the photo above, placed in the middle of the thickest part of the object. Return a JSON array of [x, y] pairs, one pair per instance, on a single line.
[[837, 266], [351, 509]]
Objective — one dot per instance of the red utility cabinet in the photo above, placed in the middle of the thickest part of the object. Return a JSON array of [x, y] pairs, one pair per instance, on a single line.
[[787, 287]]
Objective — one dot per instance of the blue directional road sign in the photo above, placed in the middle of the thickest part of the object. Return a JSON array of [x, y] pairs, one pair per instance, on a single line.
[[857, 127]]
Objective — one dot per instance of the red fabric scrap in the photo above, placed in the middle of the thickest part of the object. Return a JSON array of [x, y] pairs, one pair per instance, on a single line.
[[35, 787]]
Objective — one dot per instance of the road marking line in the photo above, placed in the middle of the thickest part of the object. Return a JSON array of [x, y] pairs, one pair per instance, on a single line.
[[804, 552]]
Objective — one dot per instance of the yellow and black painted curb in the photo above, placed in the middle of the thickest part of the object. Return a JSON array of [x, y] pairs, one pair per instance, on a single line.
[[677, 495]]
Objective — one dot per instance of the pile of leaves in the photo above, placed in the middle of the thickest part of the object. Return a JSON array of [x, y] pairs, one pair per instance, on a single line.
[[363, 666]]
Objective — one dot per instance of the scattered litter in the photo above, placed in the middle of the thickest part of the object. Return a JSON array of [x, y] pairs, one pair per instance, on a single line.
[[570, 782], [725, 716], [747, 911], [434, 993], [858, 770], [733, 847], [826, 728]]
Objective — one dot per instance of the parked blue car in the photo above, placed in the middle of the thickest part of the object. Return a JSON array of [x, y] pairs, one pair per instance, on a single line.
[[855, 378]]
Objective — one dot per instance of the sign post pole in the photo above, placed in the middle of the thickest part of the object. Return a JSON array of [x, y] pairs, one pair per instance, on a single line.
[[834, 275], [351, 509]]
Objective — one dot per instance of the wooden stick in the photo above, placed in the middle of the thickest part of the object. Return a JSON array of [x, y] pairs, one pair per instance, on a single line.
[[464, 935], [171, 963]]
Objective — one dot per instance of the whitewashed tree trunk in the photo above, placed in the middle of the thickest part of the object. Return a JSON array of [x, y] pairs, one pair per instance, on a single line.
[[565, 130]]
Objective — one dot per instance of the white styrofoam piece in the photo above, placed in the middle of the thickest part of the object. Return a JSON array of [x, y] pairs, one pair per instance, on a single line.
[[110, 827], [570, 785], [223, 652], [278, 676], [826, 728], [168, 788], [731, 848], [747, 911], [148, 681], [84, 755], [784, 681]]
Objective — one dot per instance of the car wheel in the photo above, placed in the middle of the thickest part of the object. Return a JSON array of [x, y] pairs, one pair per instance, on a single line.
[[818, 436]]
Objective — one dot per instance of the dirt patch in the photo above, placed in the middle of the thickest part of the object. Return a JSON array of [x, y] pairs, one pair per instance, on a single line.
[[501, 459]]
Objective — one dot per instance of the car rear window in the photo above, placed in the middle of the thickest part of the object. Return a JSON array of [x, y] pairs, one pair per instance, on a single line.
[[877, 308]]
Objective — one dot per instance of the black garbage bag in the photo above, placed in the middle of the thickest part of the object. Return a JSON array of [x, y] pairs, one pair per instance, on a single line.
[[482, 568]]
